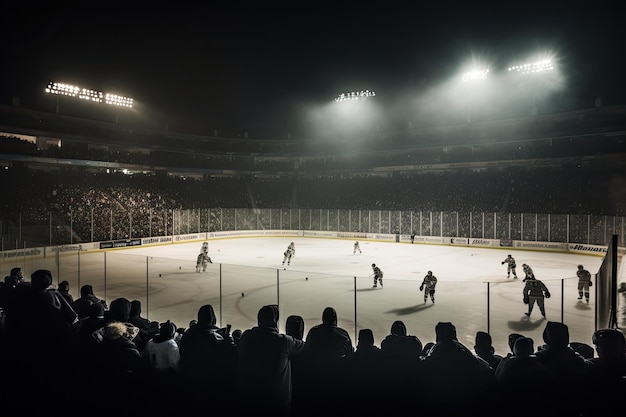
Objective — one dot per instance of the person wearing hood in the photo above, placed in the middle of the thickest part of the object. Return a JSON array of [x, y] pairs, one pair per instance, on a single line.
[[136, 319], [119, 311], [569, 367], [265, 366], [87, 297], [208, 359], [455, 377], [323, 365]]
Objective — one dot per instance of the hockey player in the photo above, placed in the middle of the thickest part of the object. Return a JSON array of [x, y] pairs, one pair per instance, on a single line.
[[287, 256], [292, 246], [378, 276], [203, 262], [510, 261], [534, 292], [356, 248], [428, 286], [584, 282], [528, 271]]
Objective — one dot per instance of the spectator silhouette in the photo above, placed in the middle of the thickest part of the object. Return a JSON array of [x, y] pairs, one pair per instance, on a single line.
[[265, 366], [512, 338], [322, 365], [607, 373], [485, 350], [401, 358], [208, 359], [519, 371], [51, 321], [455, 377], [426, 349], [135, 318], [294, 326], [583, 349], [119, 310], [569, 368], [87, 297], [364, 371], [121, 368], [162, 352], [64, 290], [163, 356]]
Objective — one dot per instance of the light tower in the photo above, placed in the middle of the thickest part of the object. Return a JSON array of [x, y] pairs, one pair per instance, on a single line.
[[535, 70], [86, 94]]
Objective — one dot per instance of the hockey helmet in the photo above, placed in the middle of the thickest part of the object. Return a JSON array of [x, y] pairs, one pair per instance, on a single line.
[[509, 255], [373, 265], [430, 272], [524, 266], [580, 267]]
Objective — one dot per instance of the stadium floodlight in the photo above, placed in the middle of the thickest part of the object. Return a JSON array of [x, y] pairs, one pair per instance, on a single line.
[[533, 67], [474, 75], [88, 94], [360, 95]]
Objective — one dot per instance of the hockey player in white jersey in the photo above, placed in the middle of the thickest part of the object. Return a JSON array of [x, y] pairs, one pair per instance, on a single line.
[[287, 256], [292, 246], [356, 248], [510, 267], [202, 262]]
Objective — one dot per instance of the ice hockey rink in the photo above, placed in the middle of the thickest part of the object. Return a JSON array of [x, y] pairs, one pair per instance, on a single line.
[[473, 291]]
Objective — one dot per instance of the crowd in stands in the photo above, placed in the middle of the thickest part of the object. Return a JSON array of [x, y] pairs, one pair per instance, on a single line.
[[103, 206], [84, 357]]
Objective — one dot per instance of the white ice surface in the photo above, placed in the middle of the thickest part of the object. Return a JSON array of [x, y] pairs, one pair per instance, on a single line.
[[325, 272]]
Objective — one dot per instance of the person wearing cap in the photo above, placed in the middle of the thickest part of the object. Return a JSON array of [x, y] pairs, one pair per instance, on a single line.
[[584, 282]]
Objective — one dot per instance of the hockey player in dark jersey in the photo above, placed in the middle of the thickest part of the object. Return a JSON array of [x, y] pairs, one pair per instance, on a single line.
[[534, 292], [428, 286], [584, 282], [356, 248]]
